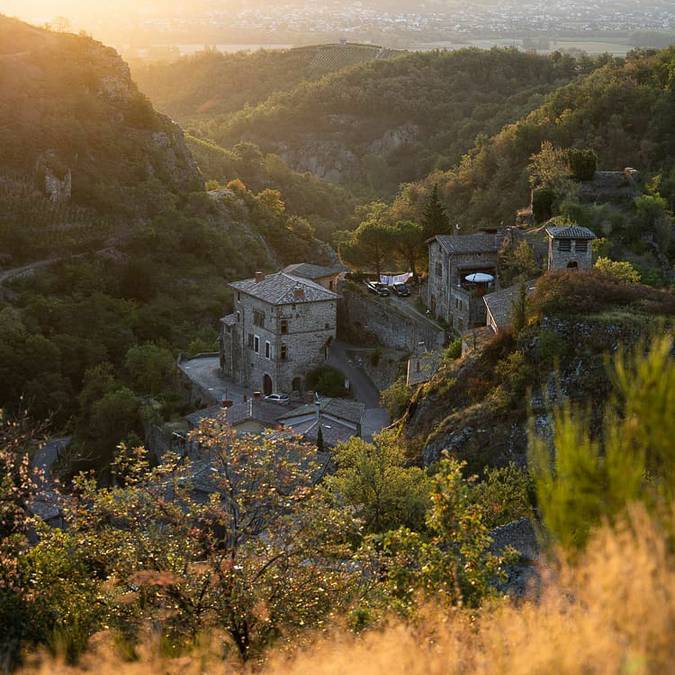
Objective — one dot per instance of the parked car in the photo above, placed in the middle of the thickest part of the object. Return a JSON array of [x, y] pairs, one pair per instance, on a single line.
[[378, 288], [401, 290], [277, 398]]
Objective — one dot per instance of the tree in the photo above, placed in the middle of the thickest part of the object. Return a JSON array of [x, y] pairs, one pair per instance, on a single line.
[[408, 240], [590, 477], [371, 243], [373, 479], [519, 310], [583, 163], [259, 560], [453, 564], [621, 269], [151, 368], [518, 262], [396, 397], [434, 219]]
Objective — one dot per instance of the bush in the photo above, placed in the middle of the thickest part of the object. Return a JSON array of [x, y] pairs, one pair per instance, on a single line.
[[583, 163], [327, 381], [396, 398], [454, 350], [620, 269], [542, 204]]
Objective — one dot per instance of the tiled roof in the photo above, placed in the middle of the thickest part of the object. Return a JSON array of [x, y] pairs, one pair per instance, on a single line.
[[351, 411], [229, 320], [257, 410], [193, 419], [313, 272], [468, 243], [280, 289], [332, 432], [500, 303], [570, 232]]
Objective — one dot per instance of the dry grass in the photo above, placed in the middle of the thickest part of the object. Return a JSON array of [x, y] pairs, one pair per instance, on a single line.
[[612, 612]]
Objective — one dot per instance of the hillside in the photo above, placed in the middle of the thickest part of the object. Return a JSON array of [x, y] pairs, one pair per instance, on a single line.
[[624, 111], [385, 122], [81, 147], [478, 407], [211, 83]]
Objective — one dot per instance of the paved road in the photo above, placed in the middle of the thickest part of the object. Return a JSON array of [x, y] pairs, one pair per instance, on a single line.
[[205, 372], [375, 417]]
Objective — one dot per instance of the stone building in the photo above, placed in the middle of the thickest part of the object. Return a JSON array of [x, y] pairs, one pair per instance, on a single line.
[[569, 247], [452, 258], [328, 277], [279, 331]]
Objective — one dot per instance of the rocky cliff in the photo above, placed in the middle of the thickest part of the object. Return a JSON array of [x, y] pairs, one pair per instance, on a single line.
[[73, 123]]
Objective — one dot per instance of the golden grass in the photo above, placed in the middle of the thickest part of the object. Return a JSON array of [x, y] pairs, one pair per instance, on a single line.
[[612, 612]]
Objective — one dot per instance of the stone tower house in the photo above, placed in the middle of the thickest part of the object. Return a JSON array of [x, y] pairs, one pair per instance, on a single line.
[[280, 330]]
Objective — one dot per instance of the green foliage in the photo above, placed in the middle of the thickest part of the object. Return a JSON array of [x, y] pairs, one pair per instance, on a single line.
[[369, 245], [621, 269], [434, 219], [396, 398], [374, 480], [327, 381], [520, 309], [438, 102], [454, 350], [516, 263], [593, 477], [452, 564], [542, 204], [151, 369], [504, 494], [583, 163]]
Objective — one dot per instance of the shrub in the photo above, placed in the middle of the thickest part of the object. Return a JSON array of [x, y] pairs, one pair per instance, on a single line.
[[620, 269], [583, 163], [396, 398], [454, 350], [542, 204], [327, 381]]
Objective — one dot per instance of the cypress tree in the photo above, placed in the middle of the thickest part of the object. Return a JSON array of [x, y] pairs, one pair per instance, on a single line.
[[434, 219]]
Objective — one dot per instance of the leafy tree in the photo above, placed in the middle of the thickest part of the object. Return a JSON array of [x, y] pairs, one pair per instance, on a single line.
[[583, 163], [453, 563], [373, 479], [518, 262], [396, 397], [434, 219], [408, 239], [505, 494], [151, 369], [519, 311], [590, 478], [621, 269], [371, 243]]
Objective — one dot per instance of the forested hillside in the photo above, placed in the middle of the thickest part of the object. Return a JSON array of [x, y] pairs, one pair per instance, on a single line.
[[80, 148], [211, 83], [623, 111], [385, 122]]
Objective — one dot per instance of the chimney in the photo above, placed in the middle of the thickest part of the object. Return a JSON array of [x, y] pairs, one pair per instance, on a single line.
[[299, 293], [259, 276]]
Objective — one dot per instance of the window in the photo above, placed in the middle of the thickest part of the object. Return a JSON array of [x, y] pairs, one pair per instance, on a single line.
[[581, 245], [258, 318], [284, 352], [565, 245], [268, 350], [331, 284], [256, 344], [238, 295], [327, 326], [284, 326], [439, 269], [250, 340]]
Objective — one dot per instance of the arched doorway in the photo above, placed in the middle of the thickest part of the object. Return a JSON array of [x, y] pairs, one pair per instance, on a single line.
[[572, 265], [268, 385]]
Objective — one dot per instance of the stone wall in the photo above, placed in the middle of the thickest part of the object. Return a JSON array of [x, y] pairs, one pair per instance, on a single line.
[[285, 357], [580, 254], [395, 328]]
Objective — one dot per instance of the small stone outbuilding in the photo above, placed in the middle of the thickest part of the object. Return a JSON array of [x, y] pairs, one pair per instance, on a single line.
[[569, 247]]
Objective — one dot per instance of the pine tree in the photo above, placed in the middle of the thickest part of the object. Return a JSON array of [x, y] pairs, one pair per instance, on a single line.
[[434, 219]]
